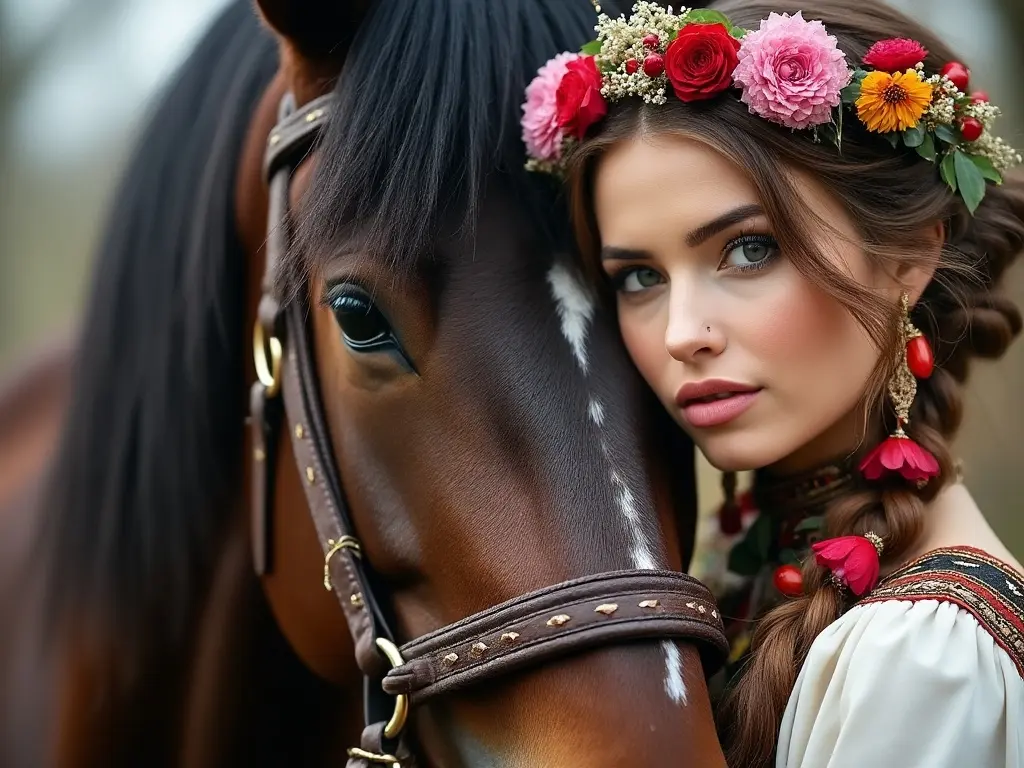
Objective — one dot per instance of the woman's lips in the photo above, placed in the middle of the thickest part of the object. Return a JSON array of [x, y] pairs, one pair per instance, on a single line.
[[714, 402]]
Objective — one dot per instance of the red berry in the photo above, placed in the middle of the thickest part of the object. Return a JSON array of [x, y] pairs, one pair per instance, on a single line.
[[979, 97], [730, 519], [789, 581], [957, 74], [920, 358], [971, 128], [651, 41], [654, 64], [632, 66]]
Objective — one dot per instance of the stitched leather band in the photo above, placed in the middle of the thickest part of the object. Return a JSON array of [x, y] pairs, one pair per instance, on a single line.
[[571, 617]]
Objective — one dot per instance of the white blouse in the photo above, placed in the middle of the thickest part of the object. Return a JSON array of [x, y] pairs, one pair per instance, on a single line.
[[907, 685]]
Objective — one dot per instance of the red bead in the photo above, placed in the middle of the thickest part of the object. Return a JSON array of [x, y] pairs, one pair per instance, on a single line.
[[979, 97], [651, 41], [971, 128], [789, 581], [957, 74], [654, 65], [920, 358], [632, 66], [730, 519]]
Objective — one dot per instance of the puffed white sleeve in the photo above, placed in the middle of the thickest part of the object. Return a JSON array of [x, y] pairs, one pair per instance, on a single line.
[[908, 685]]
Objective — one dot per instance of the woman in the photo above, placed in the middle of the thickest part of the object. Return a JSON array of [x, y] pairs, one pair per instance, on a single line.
[[801, 219]]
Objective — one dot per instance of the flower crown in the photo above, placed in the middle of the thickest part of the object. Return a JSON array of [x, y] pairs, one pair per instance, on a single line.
[[790, 71]]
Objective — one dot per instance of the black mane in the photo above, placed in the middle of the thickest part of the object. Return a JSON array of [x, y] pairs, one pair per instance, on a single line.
[[428, 107], [148, 467]]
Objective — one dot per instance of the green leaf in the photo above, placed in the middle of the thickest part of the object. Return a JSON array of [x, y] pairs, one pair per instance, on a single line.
[[704, 16], [738, 32], [927, 148], [592, 48], [969, 180], [946, 134], [762, 531], [809, 524], [893, 138], [743, 560], [751, 553], [789, 557], [946, 170], [913, 137], [851, 92], [987, 169]]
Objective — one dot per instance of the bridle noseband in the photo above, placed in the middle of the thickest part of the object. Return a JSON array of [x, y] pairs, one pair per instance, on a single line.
[[567, 618]]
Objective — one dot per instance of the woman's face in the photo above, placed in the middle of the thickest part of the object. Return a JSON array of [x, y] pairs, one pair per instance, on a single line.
[[757, 364]]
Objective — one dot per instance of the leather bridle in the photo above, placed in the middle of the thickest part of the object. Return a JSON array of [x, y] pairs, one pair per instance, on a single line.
[[570, 617]]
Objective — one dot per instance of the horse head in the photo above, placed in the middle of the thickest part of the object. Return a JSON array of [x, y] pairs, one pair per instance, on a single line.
[[459, 399], [443, 427]]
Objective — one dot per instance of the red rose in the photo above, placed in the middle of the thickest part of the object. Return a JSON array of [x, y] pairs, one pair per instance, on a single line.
[[895, 55], [700, 61], [579, 100]]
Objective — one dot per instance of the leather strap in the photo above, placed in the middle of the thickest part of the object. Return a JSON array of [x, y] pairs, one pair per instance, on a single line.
[[572, 617], [312, 447]]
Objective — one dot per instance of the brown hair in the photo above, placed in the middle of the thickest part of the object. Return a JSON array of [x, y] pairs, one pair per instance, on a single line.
[[892, 197]]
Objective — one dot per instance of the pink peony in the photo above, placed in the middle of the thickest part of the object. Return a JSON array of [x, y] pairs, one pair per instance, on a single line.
[[792, 71], [541, 131], [895, 54]]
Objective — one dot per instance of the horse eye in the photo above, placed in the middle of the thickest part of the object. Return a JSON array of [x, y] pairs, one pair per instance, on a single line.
[[363, 326]]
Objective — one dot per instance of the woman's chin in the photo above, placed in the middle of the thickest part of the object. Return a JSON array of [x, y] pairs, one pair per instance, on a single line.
[[739, 452]]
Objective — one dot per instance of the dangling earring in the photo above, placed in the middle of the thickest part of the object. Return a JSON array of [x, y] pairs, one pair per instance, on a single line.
[[898, 453]]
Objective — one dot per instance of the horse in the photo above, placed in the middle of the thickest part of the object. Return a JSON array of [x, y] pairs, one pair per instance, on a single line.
[[347, 435]]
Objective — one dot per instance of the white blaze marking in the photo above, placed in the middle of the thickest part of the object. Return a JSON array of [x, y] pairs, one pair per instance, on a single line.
[[575, 311], [675, 686]]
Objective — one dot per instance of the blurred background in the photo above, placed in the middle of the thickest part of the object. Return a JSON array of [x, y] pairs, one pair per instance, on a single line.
[[77, 79]]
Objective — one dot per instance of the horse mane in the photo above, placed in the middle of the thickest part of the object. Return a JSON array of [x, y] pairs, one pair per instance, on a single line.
[[392, 169], [149, 461]]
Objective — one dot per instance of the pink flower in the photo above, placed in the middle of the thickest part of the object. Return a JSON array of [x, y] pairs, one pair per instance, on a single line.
[[901, 455], [895, 54], [853, 560], [792, 71], [541, 132]]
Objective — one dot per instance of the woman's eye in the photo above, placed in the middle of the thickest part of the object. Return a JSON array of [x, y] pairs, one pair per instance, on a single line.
[[361, 323], [637, 279], [750, 252]]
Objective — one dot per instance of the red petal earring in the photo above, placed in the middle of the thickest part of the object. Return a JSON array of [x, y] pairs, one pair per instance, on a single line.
[[898, 454]]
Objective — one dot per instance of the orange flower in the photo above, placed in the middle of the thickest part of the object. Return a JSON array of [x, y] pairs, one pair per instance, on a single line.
[[893, 102]]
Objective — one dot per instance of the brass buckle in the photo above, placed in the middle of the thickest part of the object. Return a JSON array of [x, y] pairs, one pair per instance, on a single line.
[[401, 713], [398, 718], [373, 757], [345, 542], [267, 369]]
